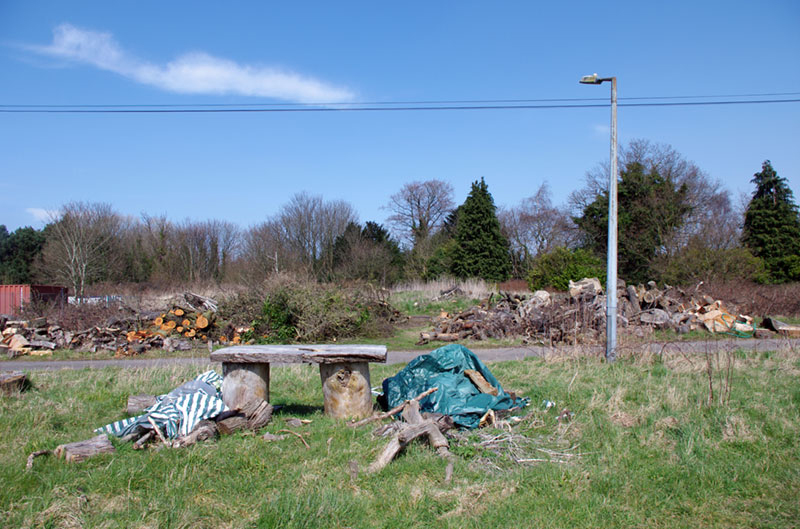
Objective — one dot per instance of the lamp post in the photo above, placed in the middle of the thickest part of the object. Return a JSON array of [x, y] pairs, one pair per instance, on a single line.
[[611, 266]]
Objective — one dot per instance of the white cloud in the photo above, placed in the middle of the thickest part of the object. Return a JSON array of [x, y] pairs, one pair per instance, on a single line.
[[41, 214], [192, 73], [602, 130]]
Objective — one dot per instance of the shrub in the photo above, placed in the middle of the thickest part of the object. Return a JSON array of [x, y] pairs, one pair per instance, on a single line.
[[698, 263], [556, 268], [292, 310]]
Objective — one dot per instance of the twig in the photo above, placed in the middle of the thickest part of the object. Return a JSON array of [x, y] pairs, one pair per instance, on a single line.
[[158, 431], [143, 439], [573, 380], [540, 460], [296, 435], [29, 464], [393, 411]]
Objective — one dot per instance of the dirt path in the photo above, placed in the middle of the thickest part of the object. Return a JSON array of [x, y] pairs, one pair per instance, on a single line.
[[402, 357]]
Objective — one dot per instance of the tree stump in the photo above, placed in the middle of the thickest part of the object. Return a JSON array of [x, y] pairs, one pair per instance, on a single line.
[[13, 381], [74, 452], [346, 390], [243, 383]]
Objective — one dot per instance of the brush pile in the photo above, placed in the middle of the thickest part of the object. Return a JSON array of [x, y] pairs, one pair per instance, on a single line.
[[580, 315]]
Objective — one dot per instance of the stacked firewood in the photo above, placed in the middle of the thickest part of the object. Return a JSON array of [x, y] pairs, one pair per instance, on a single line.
[[182, 327], [580, 315]]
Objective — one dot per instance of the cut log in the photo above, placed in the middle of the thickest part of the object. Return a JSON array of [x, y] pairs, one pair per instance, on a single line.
[[13, 381], [346, 390], [244, 382], [190, 333], [74, 452], [480, 382], [158, 322], [138, 403], [179, 312], [228, 423], [202, 432], [186, 322], [258, 413], [201, 322]]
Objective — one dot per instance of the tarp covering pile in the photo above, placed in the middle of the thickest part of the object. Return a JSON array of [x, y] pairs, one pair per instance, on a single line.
[[178, 412], [457, 396]]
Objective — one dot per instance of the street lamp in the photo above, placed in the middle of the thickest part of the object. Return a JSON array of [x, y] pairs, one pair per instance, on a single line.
[[611, 266]]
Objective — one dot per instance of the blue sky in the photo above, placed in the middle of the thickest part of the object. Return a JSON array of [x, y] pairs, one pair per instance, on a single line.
[[243, 167]]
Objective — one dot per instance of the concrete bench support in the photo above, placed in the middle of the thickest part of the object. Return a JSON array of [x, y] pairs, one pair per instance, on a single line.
[[343, 370]]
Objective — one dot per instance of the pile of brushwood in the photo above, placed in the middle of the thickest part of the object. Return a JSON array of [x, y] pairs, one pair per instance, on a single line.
[[580, 315]]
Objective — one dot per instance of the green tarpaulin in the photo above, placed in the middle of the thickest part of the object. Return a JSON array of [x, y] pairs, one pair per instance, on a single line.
[[457, 396]]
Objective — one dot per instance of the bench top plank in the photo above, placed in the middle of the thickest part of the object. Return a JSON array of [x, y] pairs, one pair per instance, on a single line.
[[291, 354]]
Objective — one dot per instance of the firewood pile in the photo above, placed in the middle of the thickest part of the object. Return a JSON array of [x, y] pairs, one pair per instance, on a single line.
[[580, 315], [183, 326]]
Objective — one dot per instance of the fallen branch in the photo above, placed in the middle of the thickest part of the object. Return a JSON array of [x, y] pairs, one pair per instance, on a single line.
[[34, 455], [393, 411], [296, 435]]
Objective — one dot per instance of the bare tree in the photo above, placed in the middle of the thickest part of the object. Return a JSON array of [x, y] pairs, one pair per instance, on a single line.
[[80, 244], [302, 234], [535, 226], [419, 208], [204, 249]]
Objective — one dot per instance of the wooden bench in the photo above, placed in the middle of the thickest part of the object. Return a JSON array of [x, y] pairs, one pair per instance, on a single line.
[[344, 370]]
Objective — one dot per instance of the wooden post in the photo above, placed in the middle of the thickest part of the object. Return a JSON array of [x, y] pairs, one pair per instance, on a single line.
[[346, 390], [244, 382]]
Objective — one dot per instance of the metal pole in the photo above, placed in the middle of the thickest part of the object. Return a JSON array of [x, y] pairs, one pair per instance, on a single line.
[[611, 266]]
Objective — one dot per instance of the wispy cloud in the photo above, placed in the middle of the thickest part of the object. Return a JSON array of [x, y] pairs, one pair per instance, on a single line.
[[41, 214], [192, 73], [602, 130]]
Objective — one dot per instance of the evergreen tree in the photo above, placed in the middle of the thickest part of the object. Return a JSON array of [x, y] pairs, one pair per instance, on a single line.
[[480, 249], [772, 225], [18, 251], [650, 206]]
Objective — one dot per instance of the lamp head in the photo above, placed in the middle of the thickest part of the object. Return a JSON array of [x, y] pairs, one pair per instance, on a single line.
[[590, 79]]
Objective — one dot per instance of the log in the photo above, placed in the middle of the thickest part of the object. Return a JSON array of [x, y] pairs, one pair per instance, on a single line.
[[480, 382], [229, 423], [138, 403], [393, 411], [13, 381], [201, 322], [243, 382], [74, 452], [202, 432], [346, 390], [258, 413], [43, 344]]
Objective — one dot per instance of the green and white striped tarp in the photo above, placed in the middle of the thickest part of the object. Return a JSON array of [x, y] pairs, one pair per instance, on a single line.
[[178, 412]]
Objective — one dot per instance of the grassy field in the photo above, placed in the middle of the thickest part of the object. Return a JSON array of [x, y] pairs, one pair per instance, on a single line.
[[643, 448]]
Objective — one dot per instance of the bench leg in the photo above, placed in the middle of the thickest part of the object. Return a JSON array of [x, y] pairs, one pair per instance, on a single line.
[[346, 390], [243, 382]]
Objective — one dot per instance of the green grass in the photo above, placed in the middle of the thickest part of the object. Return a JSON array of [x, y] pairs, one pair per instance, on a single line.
[[653, 453], [420, 303]]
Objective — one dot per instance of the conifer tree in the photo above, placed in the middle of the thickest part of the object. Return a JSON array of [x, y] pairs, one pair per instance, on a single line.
[[480, 249], [772, 225]]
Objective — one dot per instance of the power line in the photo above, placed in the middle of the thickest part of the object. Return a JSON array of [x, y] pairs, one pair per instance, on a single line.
[[376, 103], [241, 110]]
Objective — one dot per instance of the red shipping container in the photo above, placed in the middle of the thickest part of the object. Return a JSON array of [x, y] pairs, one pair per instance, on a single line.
[[14, 297]]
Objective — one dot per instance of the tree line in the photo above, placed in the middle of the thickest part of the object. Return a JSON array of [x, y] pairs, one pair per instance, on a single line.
[[676, 225]]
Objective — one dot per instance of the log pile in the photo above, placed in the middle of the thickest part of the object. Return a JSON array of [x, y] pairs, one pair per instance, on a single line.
[[183, 326], [580, 315]]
